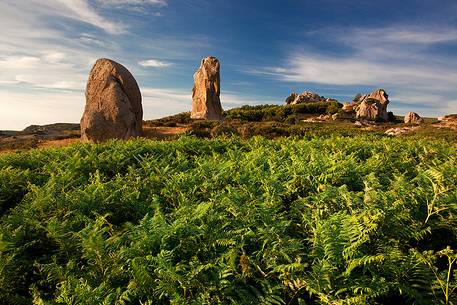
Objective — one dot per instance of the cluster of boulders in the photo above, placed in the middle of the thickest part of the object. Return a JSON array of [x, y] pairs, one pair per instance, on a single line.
[[370, 107], [306, 97], [366, 109], [114, 105]]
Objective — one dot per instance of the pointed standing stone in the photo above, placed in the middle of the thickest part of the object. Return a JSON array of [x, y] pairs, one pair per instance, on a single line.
[[206, 102]]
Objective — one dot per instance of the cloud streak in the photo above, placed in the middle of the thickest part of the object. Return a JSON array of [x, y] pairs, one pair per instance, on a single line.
[[396, 58], [312, 68], [154, 63], [82, 11]]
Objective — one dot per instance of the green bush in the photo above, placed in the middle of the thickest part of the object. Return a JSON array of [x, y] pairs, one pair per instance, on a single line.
[[171, 121], [278, 113]]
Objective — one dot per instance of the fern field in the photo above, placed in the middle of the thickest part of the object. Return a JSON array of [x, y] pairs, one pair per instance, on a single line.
[[361, 220]]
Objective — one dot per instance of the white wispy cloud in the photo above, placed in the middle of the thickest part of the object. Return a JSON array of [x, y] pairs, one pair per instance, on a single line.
[[47, 70], [155, 63], [19, 62], [134, 2], [136, 6], [82, 11], [39, 107], [313, 68], [402, 35]]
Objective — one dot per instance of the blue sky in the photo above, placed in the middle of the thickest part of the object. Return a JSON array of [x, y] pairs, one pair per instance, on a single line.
[[267, 49]]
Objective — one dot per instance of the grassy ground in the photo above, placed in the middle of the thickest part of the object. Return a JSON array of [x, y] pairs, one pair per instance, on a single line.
[[270, 121]]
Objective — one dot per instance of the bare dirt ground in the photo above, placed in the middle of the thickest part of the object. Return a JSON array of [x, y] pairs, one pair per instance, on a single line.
[[62, 134], [163, 133], [21, 141], [58, 143]]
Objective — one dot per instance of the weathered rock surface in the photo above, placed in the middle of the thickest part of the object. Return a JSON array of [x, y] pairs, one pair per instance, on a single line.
[[113, 103], [398, 131], [343, 115], [320, 118], [413, 118], [373, 106], [449, 117], [448, 121], [306, 97], [206, 102], [348, 107]]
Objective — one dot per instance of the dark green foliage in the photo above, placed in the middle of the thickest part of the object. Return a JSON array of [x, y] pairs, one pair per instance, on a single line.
[[171, 121], [272, 130], [280, 113], [335, 220]]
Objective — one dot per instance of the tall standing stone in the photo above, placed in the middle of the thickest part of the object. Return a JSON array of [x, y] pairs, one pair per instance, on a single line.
[[113, 103], [206, 102]]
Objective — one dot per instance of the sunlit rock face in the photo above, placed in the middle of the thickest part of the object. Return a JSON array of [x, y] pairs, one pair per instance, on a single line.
[[373, 106], [306, 97], [113, 104], [413, 118], [206, 103]]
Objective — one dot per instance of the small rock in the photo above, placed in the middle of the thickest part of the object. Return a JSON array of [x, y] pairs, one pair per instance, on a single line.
[[398, 131]]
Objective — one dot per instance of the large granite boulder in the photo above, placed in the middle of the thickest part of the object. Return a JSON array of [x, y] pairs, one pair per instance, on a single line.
[[206, 102], [306, 97], [373, 106], [413, 118], [113, 104]]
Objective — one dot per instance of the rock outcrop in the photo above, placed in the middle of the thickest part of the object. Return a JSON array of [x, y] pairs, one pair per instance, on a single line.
[[448, 118], [413, 118], [343, 115], [306, 97], [113, 104], [348, 107], [206, 102], [448, 121], [399, 131], [373, 106]]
